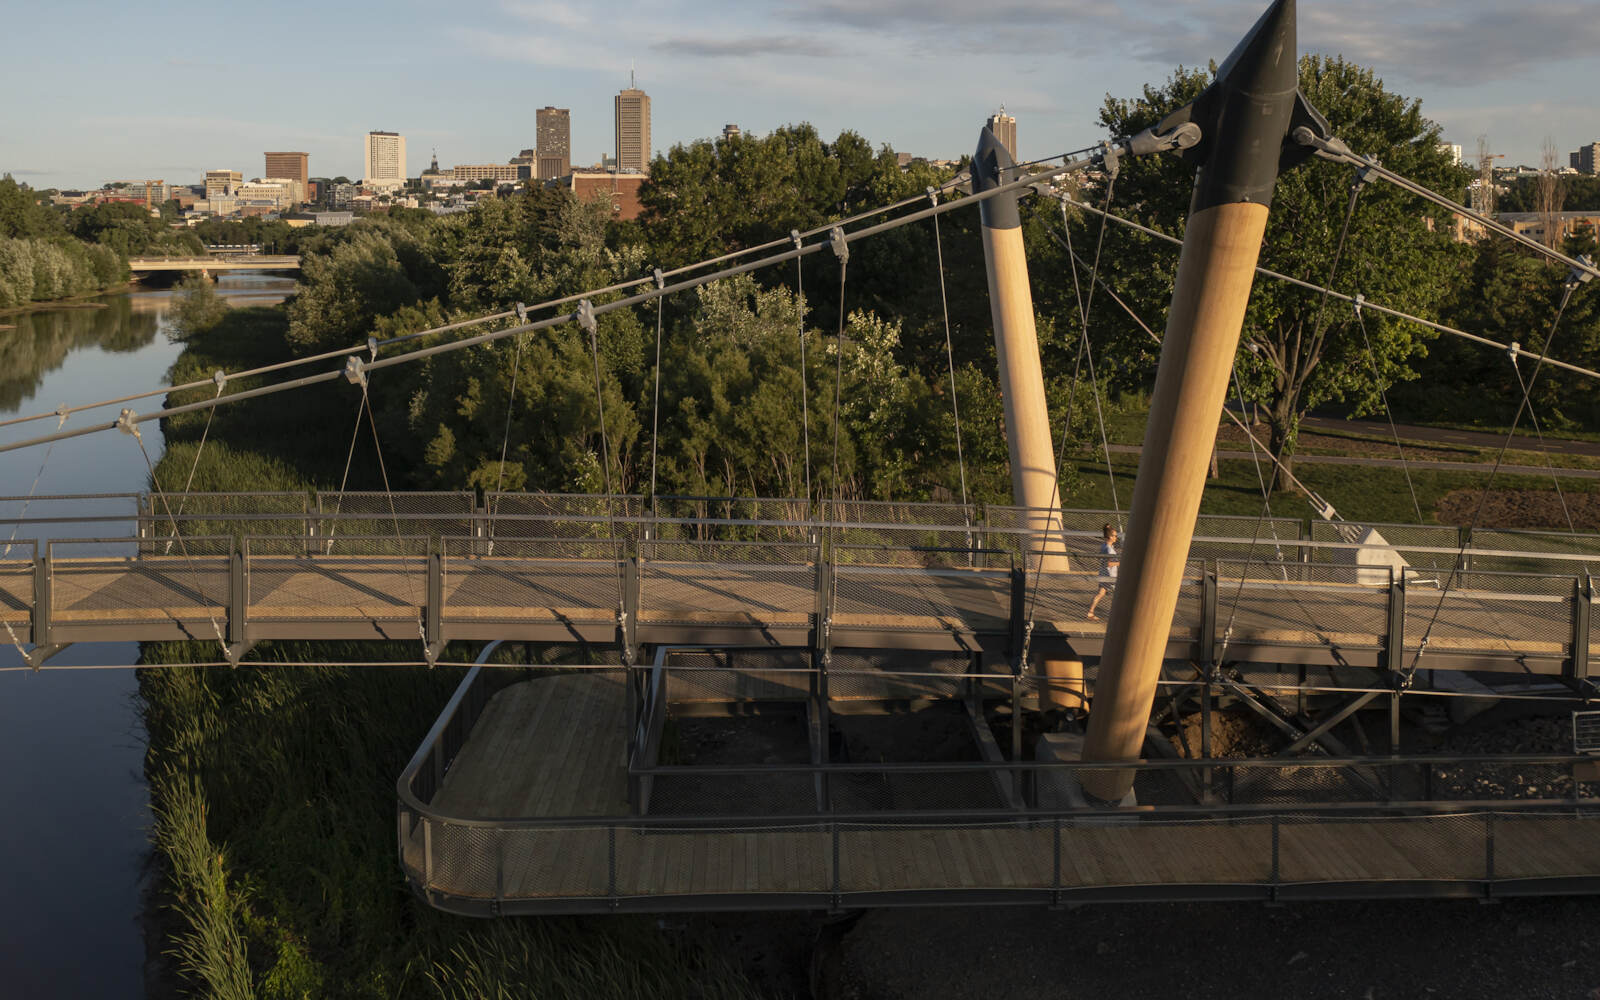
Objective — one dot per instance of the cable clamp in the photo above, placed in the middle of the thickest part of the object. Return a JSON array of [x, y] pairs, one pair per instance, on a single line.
[[220, 378], [355, 372], [661, 279], [127, 422], [1365, 174], [794, 237], [1110, 159], [372, 348], [1582, 274], [585, 317], [841, 246], [1149, 141], [1359, 301], [933, 196], [522, 312], [1513, 352], [63, 412]]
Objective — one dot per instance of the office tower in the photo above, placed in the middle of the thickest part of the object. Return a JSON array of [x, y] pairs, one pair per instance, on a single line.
[[633, 130], [290, 166], [222, 183], [553, 141], [1004, 127], [385, 160]]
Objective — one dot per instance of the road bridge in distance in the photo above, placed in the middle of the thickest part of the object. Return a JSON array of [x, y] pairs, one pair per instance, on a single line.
[[213, 263]]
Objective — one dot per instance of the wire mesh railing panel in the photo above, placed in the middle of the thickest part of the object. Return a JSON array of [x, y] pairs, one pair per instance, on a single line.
[[560, 862], [529, 580], [224, 514], [1060, 601], [1403, 536], [774, 858], [1492, 612], [1115, 852], [462, 860], [1189, 611], [731, 519], [1276, 539], [1242, 785], [1314, 849], [555, 515], [1556, 844], [1534, 544], [1017, 530], [385, 581], [895, 676], [360, 513], [16, 586], [1317, 606], [190, 586], [927, 600], [728, 583], [898, 857]]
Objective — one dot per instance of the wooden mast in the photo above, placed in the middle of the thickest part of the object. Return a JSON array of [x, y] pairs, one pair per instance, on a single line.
[[1244, 117], [1016, 343]]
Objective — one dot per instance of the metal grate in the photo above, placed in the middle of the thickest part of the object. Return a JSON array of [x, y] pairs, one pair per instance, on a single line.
[[1586, 733]]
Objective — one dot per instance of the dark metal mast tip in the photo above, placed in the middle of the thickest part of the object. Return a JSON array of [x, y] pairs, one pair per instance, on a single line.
[[992, 166]]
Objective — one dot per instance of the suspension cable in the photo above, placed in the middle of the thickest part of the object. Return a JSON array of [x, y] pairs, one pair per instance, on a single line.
[[655, 407], [1031, 181], [344, 480], [1408, 676], [405, 559], [1388, 412], [950, 357], [805, 406], [1366, 304]]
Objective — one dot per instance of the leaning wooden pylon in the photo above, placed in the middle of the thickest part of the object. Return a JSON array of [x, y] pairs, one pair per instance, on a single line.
[[1244, 117], [1016, 345]]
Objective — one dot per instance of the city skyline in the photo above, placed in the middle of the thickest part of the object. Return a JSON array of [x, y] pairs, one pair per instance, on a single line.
[[1515, 75]]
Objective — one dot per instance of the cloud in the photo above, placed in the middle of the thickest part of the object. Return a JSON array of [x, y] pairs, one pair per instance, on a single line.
[[753, 45], [546, 14]]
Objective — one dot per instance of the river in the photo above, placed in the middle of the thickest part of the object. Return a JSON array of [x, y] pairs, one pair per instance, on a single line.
[[77, 814]]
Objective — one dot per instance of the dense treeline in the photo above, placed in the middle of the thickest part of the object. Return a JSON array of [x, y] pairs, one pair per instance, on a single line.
[[47, 254]]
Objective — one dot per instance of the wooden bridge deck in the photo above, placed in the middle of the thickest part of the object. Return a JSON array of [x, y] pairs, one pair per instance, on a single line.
[[354, 597], [552, 748]]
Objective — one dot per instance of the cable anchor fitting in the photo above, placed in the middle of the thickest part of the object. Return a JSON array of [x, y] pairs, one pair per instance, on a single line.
[[128, 422], [1357, 302], [1110, 160], [372, 348], [661, 279], [933, 196], [1365, 174], [522, 312], [220, 378], [355, 371], [1582, 274], [841, 246], [585, 318], [1514, 351]]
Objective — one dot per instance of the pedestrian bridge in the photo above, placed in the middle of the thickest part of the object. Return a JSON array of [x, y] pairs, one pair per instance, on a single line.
[[441, 567]]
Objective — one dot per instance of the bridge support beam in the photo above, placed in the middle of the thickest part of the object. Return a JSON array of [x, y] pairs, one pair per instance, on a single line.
[[1244, 118]]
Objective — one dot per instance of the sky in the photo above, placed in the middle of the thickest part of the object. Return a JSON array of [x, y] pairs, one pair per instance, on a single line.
[[98, 91]]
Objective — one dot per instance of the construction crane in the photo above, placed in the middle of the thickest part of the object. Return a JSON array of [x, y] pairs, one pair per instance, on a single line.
[[1483, 193]]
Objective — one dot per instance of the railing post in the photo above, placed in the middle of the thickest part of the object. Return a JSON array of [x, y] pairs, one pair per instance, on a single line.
[[1055, 878], [1394, 642], [1018, 617], [1488, 854], [1208, 611], [822, 630], [238, 592], [41, 595], [1273, 891], [433, 613], [628, 627], [1582, 603]]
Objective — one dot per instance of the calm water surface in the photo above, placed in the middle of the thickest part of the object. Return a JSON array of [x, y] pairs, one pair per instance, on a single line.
[[73, 843]]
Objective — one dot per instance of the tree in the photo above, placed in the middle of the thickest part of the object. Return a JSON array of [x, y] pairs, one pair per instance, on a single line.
[[1296, 351]]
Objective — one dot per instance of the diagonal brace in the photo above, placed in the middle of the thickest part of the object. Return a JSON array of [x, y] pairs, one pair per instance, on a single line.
[[1351, 707]]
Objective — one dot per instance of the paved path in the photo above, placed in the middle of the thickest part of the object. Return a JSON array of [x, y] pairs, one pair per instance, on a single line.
[[1395, 463], [1450, 436]]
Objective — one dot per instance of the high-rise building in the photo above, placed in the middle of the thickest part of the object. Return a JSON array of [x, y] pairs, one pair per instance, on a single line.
[[291, 166], [553, 140], [385, 160], [633, 130], [731, 131], [1004, 127], [221, 183], [1587, 159]]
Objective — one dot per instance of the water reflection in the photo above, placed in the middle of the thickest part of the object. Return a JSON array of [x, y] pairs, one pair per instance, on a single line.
[[74, 840]]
